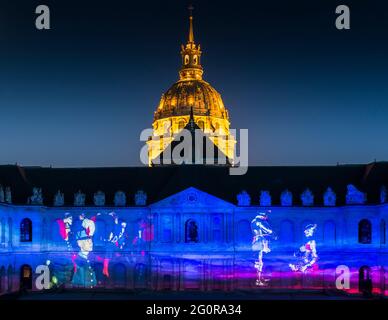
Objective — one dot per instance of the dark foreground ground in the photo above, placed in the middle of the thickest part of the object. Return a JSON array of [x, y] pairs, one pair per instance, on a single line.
[[259, 294]]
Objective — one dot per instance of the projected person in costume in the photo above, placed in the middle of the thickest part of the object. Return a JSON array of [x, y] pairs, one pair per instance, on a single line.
[[262, 232], [144, 235], [60, 266], [65, 229], [118, 235], [84, 275], [307, 255]]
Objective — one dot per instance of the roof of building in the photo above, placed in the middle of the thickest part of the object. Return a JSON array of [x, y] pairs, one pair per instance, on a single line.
[[161, 182], [212, 155]]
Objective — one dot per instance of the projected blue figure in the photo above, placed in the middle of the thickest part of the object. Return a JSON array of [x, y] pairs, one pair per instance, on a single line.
[[84, 275], [118, 235], [262, 232], [307, 255]]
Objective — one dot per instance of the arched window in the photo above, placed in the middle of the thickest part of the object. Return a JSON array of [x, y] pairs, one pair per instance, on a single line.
[[201, 124], [166, 126], [26, 230], [181, 124], [25, 277], [191, 231], [365, 280], [195, 59], [383, 238], [187, 59], [365, 232]]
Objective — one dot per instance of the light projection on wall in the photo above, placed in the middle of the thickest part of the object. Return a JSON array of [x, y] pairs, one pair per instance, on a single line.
[[307, 254], [262, 233], [81, 266], [193, 248], [102, 247]]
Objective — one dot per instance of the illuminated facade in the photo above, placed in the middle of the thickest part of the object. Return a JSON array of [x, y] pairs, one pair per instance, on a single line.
[[190, 227], [191, 92], [180, 237]]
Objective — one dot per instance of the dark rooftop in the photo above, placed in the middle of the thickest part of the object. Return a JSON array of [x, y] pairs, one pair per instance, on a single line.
[[161, 182]]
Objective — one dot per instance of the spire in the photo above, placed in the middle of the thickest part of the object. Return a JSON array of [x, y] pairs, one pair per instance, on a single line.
[[191, 68], [191, 120], [191, 30]]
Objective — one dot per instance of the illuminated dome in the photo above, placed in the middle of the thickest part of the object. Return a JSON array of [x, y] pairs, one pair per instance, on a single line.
[[191, 96], [186, 94]]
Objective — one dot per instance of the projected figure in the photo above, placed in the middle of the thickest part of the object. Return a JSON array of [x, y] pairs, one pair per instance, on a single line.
[[65, 226], [262, 232], [307, 255], [145, 232], [144, 235], [118, 236], [61, 265], [84, 275]]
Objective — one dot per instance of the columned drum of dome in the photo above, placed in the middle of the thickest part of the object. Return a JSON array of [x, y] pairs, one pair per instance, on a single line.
[[191, 92]]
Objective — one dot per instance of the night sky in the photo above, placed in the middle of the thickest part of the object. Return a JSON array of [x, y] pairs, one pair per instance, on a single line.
[[80, 93]]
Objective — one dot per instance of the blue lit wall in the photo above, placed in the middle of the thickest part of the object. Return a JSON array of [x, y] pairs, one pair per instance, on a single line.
[[151, 247]]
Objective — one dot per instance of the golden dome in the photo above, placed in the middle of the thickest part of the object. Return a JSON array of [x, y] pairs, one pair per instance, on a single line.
[[186, 94], [190, 96]]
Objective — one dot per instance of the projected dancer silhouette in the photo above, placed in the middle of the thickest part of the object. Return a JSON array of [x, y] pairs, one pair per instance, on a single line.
[[262, 232], [307, 255]]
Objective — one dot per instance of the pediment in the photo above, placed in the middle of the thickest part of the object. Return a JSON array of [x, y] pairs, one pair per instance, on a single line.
[[192, 197]]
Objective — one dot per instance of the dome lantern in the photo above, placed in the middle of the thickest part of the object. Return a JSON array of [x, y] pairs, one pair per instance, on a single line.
[[191, 68]]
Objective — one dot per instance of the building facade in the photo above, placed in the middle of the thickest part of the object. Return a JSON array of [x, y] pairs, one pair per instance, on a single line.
[[189, 227], [190, 240]]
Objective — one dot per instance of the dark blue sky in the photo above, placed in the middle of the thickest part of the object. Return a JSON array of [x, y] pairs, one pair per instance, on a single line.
[[80, 93]]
